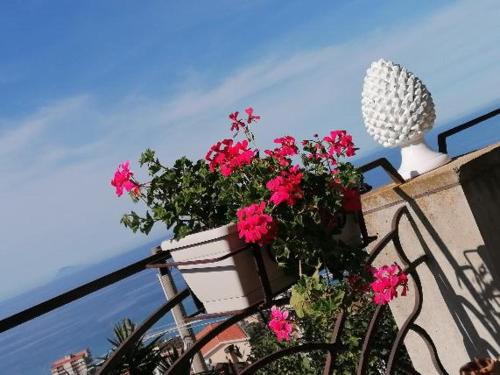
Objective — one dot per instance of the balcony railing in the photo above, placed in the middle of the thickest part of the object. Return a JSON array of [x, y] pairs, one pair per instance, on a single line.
[[183, 363]]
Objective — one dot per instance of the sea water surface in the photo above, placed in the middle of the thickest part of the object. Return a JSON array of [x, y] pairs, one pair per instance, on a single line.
[[30, 348], [86, 323]]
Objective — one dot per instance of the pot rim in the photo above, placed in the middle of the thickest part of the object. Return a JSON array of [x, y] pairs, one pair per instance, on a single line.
[[199, 238]]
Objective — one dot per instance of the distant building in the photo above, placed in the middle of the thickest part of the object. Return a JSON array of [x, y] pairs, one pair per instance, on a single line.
[[232, 345], [74, 364]]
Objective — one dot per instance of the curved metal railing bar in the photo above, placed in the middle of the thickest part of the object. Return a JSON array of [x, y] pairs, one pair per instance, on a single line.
[[410, 268], [335, 340], [182, 365], [383, 242], [410, 321], [370, 334], [430, 345], [139, 331], [403, 330], [396, 221], [386, 166], [443, 147], [372, 327]]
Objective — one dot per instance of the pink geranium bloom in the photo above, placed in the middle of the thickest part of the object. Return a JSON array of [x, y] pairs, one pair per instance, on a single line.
[[251, 117], [387, 281], [254, 225], [286, 187], [228, 156], [280, 324], [287, 148], [236, 123], [122, 180], [340, 143]]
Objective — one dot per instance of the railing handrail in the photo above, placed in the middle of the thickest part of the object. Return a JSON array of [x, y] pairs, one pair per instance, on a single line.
[[443, 147], [79, 292], [386, 166]]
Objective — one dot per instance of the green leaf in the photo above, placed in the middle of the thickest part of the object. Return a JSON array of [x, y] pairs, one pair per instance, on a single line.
[[148, 156]]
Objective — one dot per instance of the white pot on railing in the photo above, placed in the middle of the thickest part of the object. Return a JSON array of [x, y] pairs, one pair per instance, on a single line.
[[230, 284], [234, 283]]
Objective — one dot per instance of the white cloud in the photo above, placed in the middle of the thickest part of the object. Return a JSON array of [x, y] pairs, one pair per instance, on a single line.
[[17, 139], [58, 208]]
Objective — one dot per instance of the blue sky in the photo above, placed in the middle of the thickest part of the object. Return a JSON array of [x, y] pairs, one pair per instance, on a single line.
[[85, 85]]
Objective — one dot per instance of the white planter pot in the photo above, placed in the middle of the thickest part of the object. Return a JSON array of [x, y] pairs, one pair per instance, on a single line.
[[230, 284]]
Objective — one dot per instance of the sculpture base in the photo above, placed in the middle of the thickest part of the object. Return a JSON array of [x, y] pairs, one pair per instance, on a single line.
[[418, 158]]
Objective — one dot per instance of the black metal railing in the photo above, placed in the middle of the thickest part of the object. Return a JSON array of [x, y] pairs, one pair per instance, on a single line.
[[78, 292], [182, 365], [443, 146]]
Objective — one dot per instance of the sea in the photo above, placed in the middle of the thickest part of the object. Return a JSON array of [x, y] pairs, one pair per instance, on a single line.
[[30, 349]]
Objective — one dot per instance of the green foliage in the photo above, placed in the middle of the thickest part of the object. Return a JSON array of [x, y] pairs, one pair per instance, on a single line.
[[188, 198], [314, 329], [263, 343], [352, 339], [143, 358], [314, 298], [316, 301]]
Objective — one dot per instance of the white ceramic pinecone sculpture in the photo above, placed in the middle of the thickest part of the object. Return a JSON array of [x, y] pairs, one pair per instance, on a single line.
[[396, 106]]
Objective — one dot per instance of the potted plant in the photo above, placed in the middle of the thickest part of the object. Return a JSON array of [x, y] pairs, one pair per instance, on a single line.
[[295, 203]]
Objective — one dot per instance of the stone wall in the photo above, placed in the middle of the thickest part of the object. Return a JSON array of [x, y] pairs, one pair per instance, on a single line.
[[455, 220]]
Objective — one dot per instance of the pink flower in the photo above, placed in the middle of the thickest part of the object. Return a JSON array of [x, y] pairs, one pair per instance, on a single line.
[[227, 157], [251, 117], [340, 143], [387, 280], [254, 225], [281, 154], [317, 151], [351, 201], [122, 180], [286, 187], [288, 147], [280, 324], [236, 123]]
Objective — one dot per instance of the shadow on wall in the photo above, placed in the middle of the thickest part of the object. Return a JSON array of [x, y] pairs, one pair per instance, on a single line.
[[483, 196]]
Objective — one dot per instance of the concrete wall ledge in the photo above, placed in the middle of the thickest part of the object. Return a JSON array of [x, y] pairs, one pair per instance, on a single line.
[[454, 220], [434, 181]]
